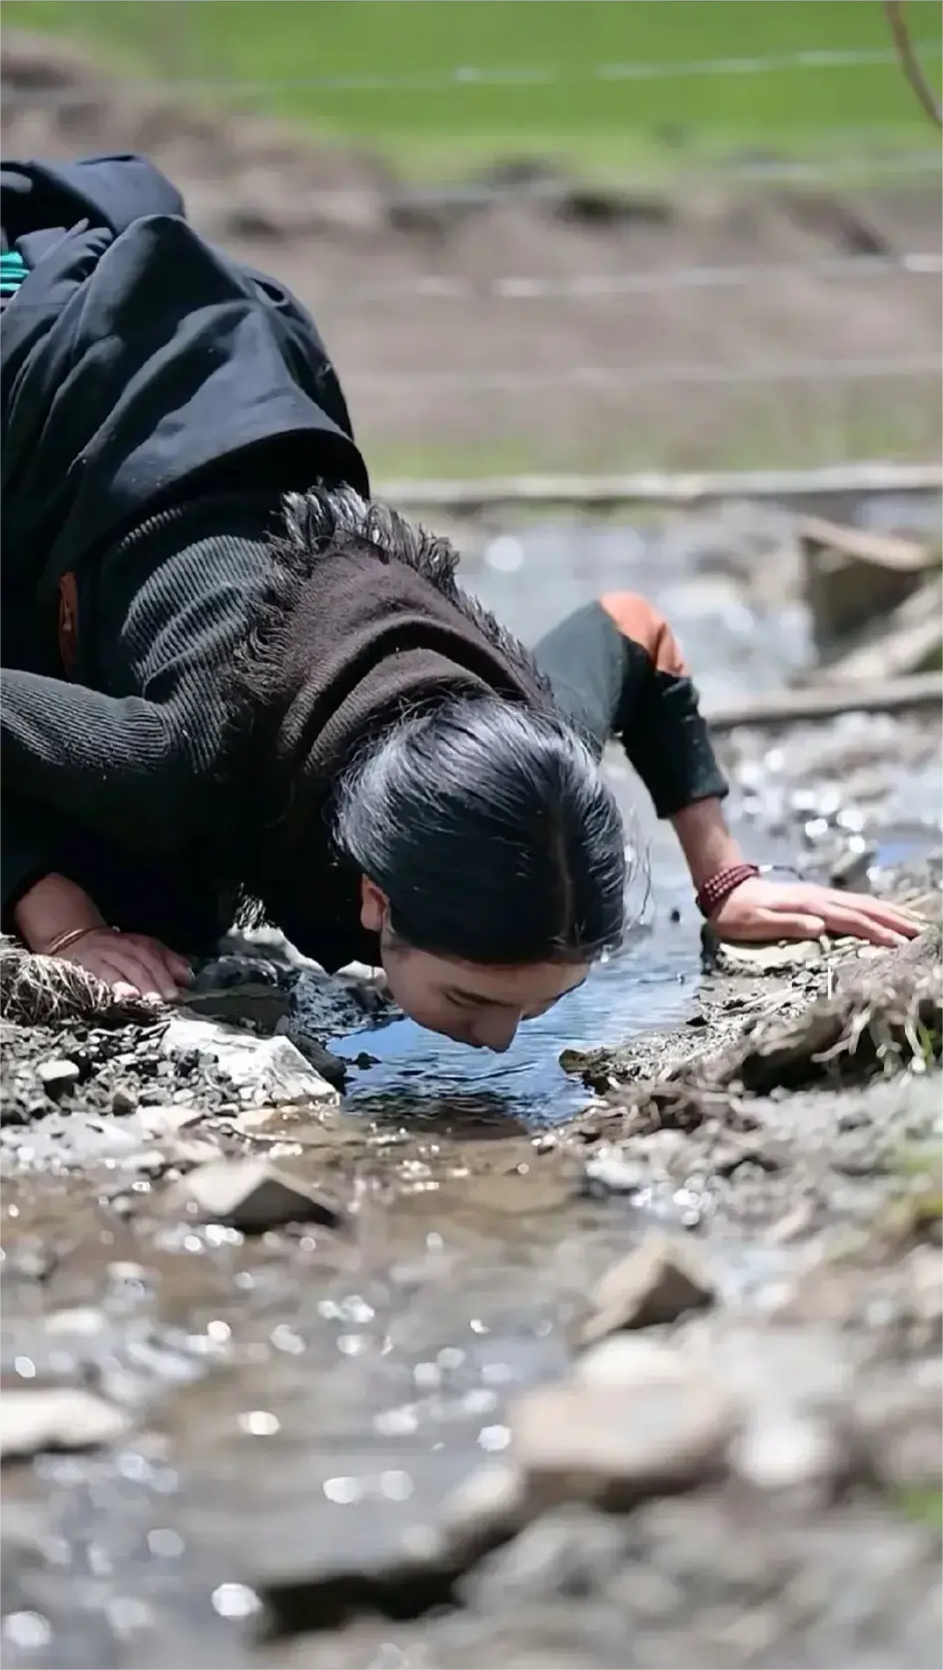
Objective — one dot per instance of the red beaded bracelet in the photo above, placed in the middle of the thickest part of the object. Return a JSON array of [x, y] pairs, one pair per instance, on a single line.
[[720, 887]]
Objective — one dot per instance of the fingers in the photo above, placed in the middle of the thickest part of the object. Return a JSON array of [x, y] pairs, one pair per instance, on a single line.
[[157, 962], [765, 926], [845, 918], [134, 964], [790, 924], [121, 989], [124, 967], [881, 911]]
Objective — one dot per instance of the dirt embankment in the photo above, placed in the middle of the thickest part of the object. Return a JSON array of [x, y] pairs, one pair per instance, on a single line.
[[409, 290]]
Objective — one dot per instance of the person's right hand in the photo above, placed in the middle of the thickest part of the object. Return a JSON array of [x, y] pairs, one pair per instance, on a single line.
[[135, 965]]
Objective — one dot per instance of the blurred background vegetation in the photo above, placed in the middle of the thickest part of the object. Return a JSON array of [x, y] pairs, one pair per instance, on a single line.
[[755, 283], [818, 105]]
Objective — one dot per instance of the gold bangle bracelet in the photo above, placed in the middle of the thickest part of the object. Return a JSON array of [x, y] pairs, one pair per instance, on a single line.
[[63, 941]]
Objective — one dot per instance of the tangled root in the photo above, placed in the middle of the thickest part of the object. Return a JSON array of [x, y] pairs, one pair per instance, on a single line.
[[45, 991], [883, 1018]]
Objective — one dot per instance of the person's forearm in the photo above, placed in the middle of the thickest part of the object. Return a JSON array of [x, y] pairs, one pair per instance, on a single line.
[[706, 842], [52, 907]]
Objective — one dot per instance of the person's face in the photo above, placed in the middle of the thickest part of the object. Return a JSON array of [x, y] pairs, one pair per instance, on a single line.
[[472, 1003]]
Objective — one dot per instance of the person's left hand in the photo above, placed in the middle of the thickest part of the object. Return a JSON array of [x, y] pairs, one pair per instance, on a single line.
[[763, 911]]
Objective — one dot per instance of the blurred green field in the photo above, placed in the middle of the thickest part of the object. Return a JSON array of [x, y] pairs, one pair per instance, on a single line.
[[603, 125]]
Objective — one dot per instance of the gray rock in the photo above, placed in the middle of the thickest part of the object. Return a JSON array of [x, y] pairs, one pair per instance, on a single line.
[[850, 868], [167, 1120], [570, 1552], [853, 577], [626, 1359], [408, 1572], [485, 1511], [609, 1173], [58, 1075], [332, 1068], [57, 1418], [250, 1195], [268, 1071], [897, 1428], [788, 1451], [654, 1285], [615, 1446], [775, 1371]]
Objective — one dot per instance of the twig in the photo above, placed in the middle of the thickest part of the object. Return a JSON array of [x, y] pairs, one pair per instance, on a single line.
[[662, 487], [789, 707]]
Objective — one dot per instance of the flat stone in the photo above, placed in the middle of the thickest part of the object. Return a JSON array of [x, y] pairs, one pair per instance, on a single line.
[[250, 1195], [853, 578], [322, 1007], [486, 1510], [267, 1071], [58, 1075], [626, 1359], [165, 1121], [183, 1153], [609, 1173], [616, 1446], [653, 1286], [569, 1552], [327, 1581], [57, 1418], [774, 1371]]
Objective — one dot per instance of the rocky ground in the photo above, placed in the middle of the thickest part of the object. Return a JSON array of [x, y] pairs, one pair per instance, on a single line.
[[692, 1337]]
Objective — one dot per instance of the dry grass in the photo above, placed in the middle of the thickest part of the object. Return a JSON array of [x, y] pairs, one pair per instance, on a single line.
[[886, 1016], [45, 991]]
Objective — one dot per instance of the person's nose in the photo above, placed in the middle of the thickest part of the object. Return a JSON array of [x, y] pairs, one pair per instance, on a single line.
[[496, 1032]]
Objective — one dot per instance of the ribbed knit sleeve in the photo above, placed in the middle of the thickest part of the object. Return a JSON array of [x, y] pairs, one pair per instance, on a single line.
[[132, 750]]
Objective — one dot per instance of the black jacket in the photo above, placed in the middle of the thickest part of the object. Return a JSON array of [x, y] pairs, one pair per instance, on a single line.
[[157, 399]]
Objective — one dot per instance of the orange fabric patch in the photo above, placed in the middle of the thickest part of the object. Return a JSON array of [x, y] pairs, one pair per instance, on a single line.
[[68, 624], [639, 620]]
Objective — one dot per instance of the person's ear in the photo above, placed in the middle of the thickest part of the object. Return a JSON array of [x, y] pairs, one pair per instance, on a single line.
[[374, 905]]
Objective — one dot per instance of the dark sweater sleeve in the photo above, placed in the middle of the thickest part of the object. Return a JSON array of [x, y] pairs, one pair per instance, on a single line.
[[616, 671], [657, 718], [132, 753]]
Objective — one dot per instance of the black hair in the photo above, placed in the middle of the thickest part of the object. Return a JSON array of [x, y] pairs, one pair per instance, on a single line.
[[492, 832]]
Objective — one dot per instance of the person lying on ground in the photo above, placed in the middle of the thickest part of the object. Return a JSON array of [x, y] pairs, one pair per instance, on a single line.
[[227, 690]]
